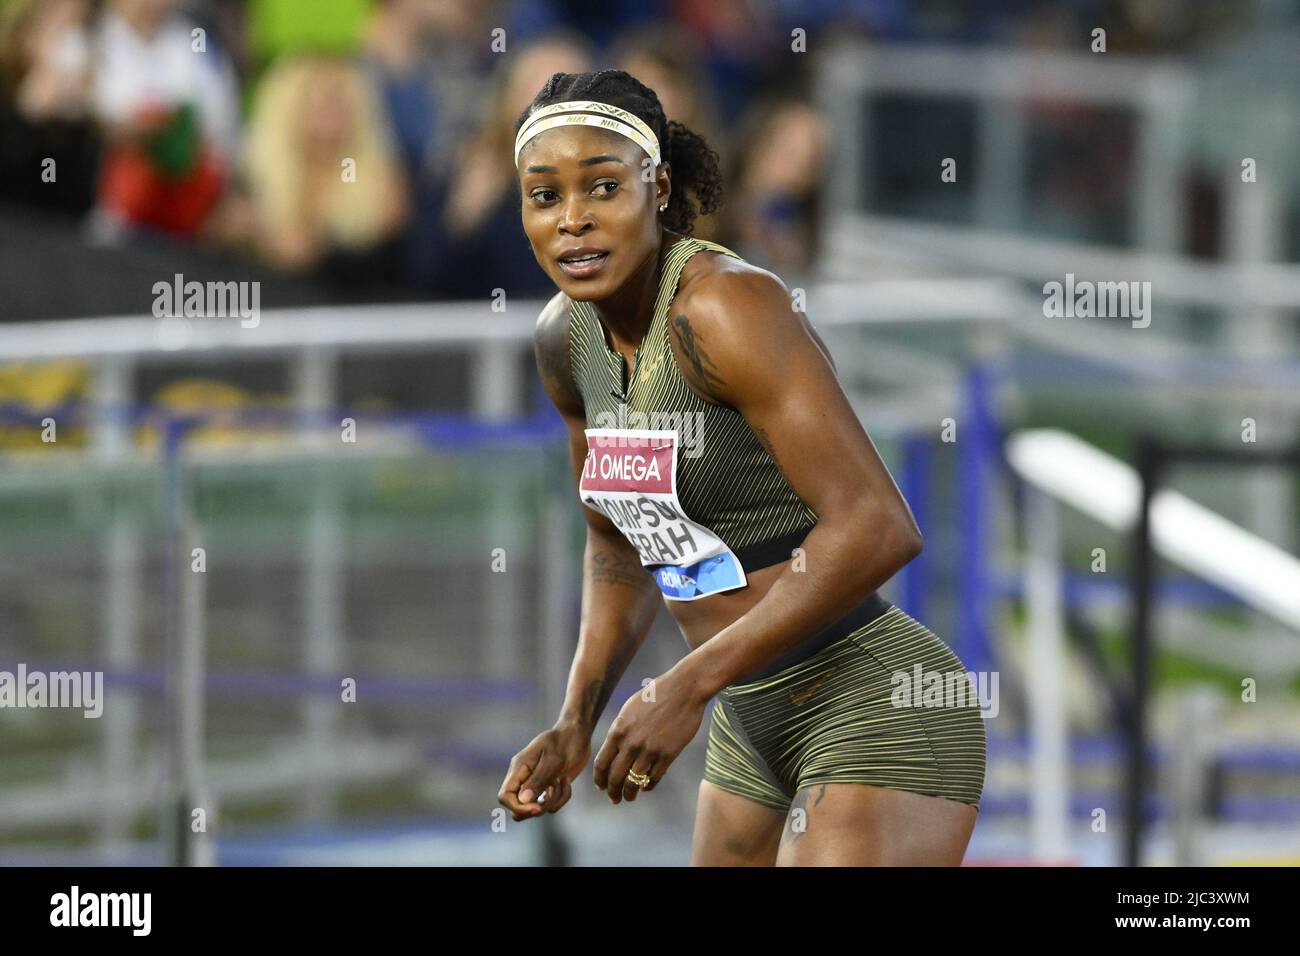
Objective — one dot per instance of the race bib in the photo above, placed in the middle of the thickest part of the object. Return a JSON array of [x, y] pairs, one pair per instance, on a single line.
[[630, 476]]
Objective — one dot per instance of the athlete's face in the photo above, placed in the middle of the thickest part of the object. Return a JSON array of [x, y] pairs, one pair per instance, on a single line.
[[586, 189]]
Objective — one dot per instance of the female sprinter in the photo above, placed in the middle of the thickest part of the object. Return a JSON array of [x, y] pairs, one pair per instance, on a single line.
[[722, 469]]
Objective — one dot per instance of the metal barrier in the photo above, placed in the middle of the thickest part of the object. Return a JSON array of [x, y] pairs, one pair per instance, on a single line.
[[1061, 468]]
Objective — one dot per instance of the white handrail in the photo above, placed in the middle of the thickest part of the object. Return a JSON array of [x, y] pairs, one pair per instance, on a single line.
[[859, 240], [1182, 531], [385, 327], [356, 328]]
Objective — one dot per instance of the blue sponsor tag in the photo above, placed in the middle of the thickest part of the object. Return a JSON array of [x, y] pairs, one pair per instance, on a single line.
[[686, 583]]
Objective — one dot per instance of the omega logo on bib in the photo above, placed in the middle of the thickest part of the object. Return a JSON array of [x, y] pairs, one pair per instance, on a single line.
[[630, 476]]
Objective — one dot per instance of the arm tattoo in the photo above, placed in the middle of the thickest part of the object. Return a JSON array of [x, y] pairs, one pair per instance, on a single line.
[[702, 367], [598, 692], [610, 567]]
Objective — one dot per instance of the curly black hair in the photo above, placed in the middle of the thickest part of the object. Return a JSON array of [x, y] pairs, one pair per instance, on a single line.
[[694, 165]]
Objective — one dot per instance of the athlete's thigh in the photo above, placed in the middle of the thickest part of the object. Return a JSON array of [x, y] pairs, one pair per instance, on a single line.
[[731, 830], [853, 824]]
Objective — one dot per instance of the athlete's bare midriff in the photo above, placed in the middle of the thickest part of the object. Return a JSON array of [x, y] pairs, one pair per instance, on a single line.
[[702, 619]]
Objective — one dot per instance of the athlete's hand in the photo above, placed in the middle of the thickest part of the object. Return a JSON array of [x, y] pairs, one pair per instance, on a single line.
[[654, 726], [540, 775]]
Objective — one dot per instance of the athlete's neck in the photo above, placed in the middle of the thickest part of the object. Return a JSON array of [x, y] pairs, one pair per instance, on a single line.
[[627, 314]]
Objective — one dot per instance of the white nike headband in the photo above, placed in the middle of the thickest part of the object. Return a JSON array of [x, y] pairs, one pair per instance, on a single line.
[[591, 113]]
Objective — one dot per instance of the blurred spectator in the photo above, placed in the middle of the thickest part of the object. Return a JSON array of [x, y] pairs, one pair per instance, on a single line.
[[469, 239], [774, 210], [326, 184], [600, 21], [670, 60], [396, 52], [54, 46], [166, 95], [45, 104], [464, 61], [430, 60], [741, 40]]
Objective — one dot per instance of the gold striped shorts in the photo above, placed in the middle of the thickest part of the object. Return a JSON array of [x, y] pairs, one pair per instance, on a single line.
[[888, 704]]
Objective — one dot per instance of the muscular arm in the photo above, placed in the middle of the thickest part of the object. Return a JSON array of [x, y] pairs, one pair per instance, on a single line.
[[619, 598], [744, 347]]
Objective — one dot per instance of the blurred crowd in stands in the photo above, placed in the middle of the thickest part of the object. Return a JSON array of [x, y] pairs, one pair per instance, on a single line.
[[224, 124]]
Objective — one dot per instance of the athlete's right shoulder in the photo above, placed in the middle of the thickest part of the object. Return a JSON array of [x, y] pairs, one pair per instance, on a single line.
[[551, 348], [554, 315], [552, 330]]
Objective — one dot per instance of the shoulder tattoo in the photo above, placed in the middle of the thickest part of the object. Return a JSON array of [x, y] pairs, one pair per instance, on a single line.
[[703, 371]]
